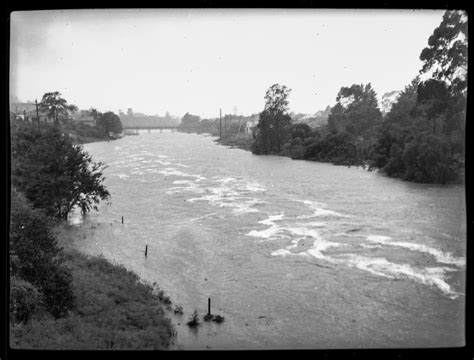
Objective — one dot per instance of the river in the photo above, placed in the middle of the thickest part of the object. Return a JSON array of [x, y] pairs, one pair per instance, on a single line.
[[294, 254]]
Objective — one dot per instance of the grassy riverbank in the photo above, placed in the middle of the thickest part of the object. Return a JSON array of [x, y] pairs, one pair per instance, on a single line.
[[112, 310], [59, 297]]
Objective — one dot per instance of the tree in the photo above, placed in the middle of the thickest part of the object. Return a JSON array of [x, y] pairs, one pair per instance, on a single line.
[[401, 111], [300, 130], [110, 122], [336, 120], [274, 126], [334, 147], [433, 102], [276, 99], [428, 159], [55, 174], [446, 53], [54, 105], [190, 121], [356, 110]]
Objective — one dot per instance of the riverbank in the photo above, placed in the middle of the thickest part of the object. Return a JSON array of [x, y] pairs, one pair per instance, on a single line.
[[113, 309], [244, 143]]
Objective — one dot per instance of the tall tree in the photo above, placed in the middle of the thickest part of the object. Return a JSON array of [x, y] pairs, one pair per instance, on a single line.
[[446, 53], [54, 105], [446, 58], [274, 126]]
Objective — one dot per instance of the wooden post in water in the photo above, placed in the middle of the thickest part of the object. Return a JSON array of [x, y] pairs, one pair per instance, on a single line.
[[122, 219], [146, 250], [208, 306]]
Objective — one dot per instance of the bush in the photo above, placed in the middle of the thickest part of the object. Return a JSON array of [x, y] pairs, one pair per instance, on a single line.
[[428, 160], [25, 300], [337, 148], [35, 256], [194, 320], [395, 166]]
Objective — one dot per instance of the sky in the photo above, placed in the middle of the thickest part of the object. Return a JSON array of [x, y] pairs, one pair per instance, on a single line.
[[201, 60]]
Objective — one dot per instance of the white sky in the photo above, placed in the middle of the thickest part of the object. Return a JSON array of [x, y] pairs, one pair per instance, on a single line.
[[199, 60]]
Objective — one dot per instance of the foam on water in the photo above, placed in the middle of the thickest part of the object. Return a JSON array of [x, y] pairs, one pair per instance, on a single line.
[[319, 245], [273, 231], [322, 245], [175, 172], [440, 256], [319, 210], [433, 276], [231, 193], [179, 182]]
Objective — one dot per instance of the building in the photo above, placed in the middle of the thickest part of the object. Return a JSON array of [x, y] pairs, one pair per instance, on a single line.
[[84, 117], [27, 111]]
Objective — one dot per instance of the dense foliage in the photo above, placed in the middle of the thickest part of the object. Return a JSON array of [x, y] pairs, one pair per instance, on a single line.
[[39, 278], [190, 122], [420, 139], [109, 122], [54, 173]]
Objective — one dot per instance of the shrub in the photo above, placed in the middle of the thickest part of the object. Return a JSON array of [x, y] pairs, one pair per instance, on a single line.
[[25, 300], [35, 256], [194, 320], [428, 160]]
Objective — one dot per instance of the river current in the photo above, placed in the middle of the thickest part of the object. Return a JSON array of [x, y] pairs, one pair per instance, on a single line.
[[294, 254]]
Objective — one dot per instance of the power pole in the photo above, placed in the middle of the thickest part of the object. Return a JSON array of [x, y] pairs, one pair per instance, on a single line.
[[220, 123], [37, 113]]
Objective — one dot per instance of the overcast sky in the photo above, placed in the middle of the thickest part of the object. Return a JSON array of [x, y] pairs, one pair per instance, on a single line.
[[199, 60]]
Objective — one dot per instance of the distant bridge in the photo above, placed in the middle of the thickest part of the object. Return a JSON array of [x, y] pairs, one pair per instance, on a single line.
[[173, 128]]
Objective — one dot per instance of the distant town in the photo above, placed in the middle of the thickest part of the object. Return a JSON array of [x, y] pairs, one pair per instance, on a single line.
[[242, 125]]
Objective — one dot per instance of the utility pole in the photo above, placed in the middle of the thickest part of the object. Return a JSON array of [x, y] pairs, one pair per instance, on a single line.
[[37, 113], [220, 123]]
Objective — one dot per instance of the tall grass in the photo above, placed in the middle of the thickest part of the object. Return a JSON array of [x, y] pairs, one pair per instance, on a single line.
[[112, 310]]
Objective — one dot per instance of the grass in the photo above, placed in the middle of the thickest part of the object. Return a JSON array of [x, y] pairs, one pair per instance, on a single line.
[[112, 310]]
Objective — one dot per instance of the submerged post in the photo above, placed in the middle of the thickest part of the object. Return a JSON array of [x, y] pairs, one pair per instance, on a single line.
[[146, 250], [122, 219], [208, 306]]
